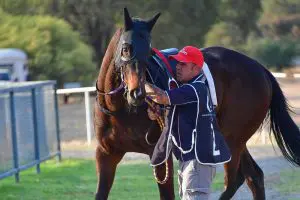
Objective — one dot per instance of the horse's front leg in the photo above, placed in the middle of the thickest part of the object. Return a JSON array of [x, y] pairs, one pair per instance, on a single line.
[[106, 167], [166, 190]]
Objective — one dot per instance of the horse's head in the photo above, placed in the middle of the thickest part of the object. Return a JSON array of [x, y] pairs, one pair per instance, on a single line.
[[133, 52]]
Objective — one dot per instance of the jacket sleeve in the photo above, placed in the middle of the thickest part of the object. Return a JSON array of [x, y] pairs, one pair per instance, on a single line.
[[182, 95]]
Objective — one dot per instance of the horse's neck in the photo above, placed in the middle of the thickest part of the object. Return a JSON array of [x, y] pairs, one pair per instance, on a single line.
[[108, 58], [112, 81], [107, 78]]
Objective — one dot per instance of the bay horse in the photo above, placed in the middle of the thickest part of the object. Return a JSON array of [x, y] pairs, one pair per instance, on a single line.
[[247, 94]]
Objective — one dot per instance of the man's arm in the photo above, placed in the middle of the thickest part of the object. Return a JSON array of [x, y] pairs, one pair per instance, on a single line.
[[156, 94]]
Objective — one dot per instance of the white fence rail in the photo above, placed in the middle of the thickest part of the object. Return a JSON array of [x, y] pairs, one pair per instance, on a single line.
[[87, 90]]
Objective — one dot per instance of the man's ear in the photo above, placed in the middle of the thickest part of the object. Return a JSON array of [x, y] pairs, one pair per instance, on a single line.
[[197, 69]]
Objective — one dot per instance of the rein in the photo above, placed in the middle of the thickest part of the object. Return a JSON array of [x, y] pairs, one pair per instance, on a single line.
[[150, 103], [115, 91], [160, 121]]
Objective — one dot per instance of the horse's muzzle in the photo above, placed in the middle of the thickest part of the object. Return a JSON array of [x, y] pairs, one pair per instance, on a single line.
[[136, 96]]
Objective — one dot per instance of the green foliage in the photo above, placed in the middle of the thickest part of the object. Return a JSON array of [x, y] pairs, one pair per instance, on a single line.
[[25, 7], [189, 22], [55, 51], [93, 19], [272, 53], [97, 20], [241, 14], [227, 23], [274, 8], [280, 18], [224, 34], [289, 182], [278, 42], [181, 23]]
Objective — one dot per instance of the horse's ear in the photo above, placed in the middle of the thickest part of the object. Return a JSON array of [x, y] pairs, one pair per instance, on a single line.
[[127, 20], [152, 21]]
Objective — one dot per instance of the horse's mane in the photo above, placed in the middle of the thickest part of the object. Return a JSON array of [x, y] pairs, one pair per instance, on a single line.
[[107, 62], [108, 58]]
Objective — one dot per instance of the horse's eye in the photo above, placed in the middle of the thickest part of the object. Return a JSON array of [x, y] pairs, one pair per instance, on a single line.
[[126, 50]]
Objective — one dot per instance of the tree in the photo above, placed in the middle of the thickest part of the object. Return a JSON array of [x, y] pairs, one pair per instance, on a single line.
[[55, 51], [225, 34], [93, 19], [181, 23], [278, 54], [241, 14], [25, 7], [280, 18]]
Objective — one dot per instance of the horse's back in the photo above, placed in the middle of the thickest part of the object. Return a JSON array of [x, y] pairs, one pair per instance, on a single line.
[[238, 70], [233, 61], [243, 89]]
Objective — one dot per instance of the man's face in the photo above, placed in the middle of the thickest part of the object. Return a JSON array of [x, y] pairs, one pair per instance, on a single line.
[[185, 72]]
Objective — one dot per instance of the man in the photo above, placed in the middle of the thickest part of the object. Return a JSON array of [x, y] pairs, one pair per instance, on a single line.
[[190, 128]]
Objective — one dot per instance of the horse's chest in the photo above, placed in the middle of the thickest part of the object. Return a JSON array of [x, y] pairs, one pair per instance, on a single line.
[[128, 131], [129, 139], [135, 131]]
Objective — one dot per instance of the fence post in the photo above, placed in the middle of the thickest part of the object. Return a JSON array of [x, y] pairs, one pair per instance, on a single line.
[[88, 117], [14, 135], [57, 123], [35, 130]]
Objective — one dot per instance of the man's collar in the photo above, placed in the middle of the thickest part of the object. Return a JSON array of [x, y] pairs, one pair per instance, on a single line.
[[196, 77]]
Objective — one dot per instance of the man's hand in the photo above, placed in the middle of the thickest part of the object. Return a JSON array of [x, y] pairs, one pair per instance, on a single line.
[[156, 94]]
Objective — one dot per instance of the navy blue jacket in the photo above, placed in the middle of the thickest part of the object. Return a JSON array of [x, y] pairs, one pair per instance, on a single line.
[[191, 130]]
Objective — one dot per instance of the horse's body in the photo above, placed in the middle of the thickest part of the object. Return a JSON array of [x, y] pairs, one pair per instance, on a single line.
[[246, 93]]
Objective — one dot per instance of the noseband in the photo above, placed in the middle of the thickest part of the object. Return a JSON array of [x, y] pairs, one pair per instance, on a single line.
[[122, 85]]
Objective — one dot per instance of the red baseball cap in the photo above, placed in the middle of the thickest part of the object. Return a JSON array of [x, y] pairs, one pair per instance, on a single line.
[[189, 54]]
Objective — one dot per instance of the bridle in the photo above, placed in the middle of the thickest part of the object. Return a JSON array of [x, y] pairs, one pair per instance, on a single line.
[[123, 86]]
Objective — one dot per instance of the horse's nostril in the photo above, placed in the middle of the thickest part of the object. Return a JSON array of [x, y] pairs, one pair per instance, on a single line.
[[136, 93], [131, 93]]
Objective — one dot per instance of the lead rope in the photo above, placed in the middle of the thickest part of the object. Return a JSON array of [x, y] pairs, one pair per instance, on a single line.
[[161, 125], [159, 118], [166, 177]]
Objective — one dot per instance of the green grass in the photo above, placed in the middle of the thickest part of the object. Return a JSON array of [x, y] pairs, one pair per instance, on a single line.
[[76, 179], [289, 182]]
